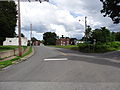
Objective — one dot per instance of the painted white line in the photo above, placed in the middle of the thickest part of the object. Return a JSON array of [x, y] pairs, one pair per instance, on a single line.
[[56, 59]]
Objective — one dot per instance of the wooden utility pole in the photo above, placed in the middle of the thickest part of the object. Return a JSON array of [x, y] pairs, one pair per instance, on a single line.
[[19, 29], [85, 28], [19, 26]]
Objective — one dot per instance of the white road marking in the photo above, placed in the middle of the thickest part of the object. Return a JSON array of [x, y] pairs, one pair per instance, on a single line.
[[56, 59]]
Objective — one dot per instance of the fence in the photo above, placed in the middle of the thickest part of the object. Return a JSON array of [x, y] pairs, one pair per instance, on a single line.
[[9, 53]]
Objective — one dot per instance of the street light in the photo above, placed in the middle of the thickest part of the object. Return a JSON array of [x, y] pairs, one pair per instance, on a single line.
[[85, 27], [19, 25]]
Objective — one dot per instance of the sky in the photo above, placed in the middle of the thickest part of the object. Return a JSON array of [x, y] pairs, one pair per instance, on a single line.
[[64, 17]]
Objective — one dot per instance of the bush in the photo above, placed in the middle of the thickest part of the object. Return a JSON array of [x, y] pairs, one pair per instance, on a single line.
[[99, 48]]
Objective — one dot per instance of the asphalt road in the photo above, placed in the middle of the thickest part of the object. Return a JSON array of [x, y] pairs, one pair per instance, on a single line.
[[53, 67]]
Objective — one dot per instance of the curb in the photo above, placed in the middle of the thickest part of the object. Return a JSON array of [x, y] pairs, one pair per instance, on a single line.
[[25, 58]]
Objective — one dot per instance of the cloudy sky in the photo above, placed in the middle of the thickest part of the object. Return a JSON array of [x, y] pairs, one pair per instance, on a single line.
[[62, 17]]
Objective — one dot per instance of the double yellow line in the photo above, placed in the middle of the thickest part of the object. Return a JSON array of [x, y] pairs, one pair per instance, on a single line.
[[63, 53]]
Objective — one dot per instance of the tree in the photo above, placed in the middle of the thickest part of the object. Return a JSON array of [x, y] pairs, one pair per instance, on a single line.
[[33, 39], [22, 35], [73, 40], [111, 8], [117, 36], [49, 38], [88, 33], [101, 35], [8, 19]]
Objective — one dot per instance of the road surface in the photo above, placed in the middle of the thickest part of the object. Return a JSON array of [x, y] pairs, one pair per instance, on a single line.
[[55, 66]]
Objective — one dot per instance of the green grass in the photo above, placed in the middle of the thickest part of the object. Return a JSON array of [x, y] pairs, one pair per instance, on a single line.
[[4, 48], [27, 53], [10, 62], [73, 47], [24, 47]]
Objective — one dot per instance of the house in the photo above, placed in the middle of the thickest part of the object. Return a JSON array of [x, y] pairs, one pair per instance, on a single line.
[[14, 41], [63, 41], [36, 43], [77, 42], [73, 41]]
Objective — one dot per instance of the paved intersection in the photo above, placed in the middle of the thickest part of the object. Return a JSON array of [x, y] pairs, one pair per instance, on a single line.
[[57, 66]]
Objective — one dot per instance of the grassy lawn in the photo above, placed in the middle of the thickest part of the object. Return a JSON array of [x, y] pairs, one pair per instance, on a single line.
[[5, 48], [10, 62], [24, 47], [73, 47]]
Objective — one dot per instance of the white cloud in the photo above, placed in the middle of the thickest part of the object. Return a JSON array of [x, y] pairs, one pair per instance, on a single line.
[[62, 16], [60, 30]]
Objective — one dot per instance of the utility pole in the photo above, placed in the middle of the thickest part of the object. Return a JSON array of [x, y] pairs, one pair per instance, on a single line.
[[85, 28], [19, 26], [31, 35], [19, 29]]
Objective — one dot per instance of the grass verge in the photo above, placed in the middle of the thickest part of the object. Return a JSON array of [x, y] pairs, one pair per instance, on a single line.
[[10, 62], [5, 48]]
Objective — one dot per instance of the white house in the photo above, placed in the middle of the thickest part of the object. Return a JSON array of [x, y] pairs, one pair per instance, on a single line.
[[14, 41], [77, 42]]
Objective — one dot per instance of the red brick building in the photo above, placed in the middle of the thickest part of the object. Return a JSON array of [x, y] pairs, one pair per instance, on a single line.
[[36, 43], [63, 41]]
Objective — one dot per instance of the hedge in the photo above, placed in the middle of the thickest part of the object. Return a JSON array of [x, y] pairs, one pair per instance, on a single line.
[[99, 48]]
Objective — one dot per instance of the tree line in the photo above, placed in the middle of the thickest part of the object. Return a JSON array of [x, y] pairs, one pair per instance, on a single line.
[[101, 35]]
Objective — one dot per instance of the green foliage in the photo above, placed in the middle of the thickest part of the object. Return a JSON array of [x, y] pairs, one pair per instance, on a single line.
[[88, 33], [27, 53], [49, 38], [99, 48], [33, 39], [8, 19], [111, 8], [101, 35], [117, 36], [22, 35]]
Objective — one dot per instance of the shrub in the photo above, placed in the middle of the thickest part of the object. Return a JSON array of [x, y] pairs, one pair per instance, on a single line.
[[99, 47]]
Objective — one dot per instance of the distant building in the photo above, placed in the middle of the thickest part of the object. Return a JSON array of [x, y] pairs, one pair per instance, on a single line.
[[36, 43], [73, 41], [14, 41], [63, 41], [77, 42]]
